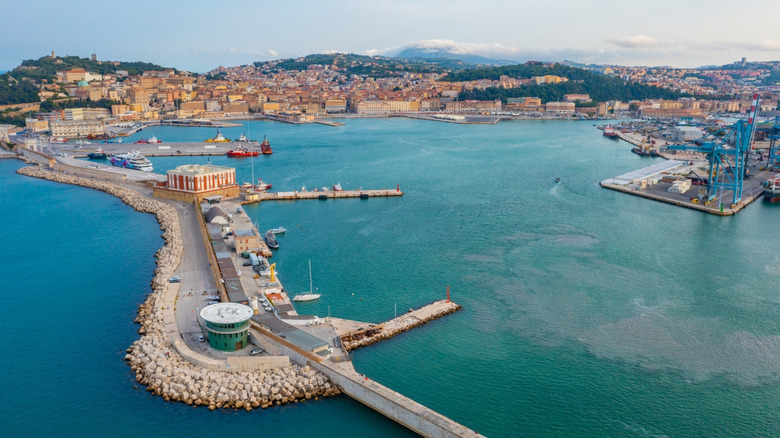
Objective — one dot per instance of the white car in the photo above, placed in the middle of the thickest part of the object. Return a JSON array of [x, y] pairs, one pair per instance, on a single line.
[[174, 279]]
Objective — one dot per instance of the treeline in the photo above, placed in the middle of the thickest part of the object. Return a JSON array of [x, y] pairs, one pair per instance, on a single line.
[[47, 67], [580, 81], [376, 67], [51, 105], [16, 91]]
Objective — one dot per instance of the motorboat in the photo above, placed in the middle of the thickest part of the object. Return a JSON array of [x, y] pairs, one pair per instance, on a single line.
[[279, 230], [270, 240]]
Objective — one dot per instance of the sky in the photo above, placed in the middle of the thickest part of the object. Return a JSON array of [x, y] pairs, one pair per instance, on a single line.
[[199, 35]]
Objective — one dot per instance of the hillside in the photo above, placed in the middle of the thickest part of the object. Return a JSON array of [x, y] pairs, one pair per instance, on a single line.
[[374, 66], [600, 88]]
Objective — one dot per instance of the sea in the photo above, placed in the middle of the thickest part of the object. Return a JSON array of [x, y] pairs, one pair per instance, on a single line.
[[586, 312]]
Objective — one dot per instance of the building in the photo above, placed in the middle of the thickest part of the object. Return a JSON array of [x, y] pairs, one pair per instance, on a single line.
[[386, 106], [559, 107], [36, 125], [76, 128], [227, 325], [192, 182], [246, 240]]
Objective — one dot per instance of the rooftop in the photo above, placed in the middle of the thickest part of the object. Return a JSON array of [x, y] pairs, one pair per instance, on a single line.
[[199, 169], [226, 313]]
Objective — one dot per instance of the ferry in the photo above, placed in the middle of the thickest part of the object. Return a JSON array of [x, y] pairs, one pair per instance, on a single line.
[[132, 160], [772, 189], [150, 140], [99, 154], [265, 146], [218, 139]]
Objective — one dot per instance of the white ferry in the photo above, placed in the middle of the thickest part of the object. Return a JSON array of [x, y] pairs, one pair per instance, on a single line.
[[132, 160]]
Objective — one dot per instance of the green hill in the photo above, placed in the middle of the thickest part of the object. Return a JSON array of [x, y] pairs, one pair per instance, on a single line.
[[374, 66], [600, 88]]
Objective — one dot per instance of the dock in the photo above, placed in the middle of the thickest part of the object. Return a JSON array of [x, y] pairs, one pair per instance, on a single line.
[[653, 182], [323, 196]]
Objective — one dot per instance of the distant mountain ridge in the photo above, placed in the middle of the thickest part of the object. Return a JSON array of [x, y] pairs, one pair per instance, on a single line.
[[429, 53]]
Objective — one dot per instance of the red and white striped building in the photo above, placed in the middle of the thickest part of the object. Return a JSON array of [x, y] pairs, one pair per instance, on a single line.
[[197, 178]]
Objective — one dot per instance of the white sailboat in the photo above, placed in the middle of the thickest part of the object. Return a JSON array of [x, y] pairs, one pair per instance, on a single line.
[[309, 296]]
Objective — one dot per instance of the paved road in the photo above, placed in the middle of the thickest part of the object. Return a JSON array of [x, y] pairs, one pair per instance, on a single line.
[[197, 281]]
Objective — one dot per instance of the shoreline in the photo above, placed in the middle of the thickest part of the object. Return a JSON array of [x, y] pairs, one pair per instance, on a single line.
[[157, 364]]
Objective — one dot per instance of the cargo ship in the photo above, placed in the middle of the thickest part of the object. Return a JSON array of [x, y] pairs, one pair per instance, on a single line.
[[609, 132], [772, 189], [265, 146], [645, 151]]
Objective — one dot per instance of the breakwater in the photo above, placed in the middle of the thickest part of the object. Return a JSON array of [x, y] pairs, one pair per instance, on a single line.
[[413, 318], [159, 366]]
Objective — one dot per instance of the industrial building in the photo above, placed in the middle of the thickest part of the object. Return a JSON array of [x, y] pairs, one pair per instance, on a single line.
[[227, 325]]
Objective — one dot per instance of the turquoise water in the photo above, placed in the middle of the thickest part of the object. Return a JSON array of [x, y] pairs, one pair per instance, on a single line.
[[586, 312]]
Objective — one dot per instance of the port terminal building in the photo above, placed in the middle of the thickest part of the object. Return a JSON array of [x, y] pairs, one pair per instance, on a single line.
[[194, 182]]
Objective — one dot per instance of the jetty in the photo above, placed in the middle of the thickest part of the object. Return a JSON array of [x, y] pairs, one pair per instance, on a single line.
[[321, 195]]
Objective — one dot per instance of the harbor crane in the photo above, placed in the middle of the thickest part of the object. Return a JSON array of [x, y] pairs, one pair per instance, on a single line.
[[727, 150], [774, 153]]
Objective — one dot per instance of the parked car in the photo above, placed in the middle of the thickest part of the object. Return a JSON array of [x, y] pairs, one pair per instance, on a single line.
[[201, 338], [256, 351], [174, 279]]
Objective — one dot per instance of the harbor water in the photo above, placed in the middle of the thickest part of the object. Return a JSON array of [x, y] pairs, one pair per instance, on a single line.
[[586, 312]]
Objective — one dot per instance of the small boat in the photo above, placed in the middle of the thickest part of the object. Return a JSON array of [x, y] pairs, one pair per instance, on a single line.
[[218, 139], [241, 139], [99, 154], [270, 240], [337, 187], [308, 296], [279, 230], [303, 188], [557, 180], [262, 185], [265, 146]]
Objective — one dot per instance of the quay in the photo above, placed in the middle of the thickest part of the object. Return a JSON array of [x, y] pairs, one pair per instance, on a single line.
[[655, 181], [321, 195]]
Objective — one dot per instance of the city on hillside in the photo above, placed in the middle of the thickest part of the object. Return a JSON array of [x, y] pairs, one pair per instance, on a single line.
[[74, 97]]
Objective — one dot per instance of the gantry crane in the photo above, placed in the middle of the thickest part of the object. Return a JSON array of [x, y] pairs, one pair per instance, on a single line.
[[727, 151]]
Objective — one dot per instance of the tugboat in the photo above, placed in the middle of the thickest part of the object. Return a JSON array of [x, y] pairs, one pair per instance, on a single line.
[[99, 154], [262, 185], [265, 146], [337, 187], [242, 151]]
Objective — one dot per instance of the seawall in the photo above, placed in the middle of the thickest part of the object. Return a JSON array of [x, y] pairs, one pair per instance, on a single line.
[[155, 358]]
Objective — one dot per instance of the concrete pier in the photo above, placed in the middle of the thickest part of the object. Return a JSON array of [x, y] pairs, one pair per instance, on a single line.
[[293, 196]]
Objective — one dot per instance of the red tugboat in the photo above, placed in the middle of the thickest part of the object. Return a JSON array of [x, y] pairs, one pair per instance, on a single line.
[[242, 151], [265, 146]]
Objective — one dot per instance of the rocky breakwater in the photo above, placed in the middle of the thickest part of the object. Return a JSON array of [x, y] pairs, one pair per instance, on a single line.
[[159, 366], [409, 320]]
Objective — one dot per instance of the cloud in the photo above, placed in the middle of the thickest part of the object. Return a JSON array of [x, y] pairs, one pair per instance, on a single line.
[[273, 53], [451, 46], [639, 42]]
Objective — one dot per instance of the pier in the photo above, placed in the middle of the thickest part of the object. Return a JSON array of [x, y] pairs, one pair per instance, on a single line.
[[322, 195]]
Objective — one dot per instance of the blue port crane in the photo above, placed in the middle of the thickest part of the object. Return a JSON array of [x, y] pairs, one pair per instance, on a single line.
[[774, 154], [727, 150]]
